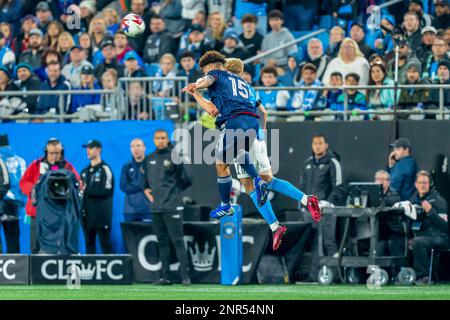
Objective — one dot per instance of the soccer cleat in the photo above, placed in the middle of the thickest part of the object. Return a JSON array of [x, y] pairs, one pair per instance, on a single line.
[[278, 236], [262, 191], [314, 209], [222, 211]]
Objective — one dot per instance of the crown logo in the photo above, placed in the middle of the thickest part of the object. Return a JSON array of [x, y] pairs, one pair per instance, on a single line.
[[87, 273], [202, 260]]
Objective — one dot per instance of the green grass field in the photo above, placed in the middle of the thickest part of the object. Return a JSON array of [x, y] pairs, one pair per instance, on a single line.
[[217, 292]]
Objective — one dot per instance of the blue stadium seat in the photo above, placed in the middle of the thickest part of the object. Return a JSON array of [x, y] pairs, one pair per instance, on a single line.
[[151, 69], [326, 22]]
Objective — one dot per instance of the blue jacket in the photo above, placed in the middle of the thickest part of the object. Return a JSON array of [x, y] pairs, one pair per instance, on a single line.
[[16, 167], [403, 176], [81, 100], [46, 102], [132, 184]]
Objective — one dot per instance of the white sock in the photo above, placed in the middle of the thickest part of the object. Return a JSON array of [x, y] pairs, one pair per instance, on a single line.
[[274, 226], [304, 200]]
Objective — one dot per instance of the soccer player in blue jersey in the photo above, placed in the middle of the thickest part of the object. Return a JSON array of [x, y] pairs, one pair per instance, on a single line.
[[234, 104], [258, 154]]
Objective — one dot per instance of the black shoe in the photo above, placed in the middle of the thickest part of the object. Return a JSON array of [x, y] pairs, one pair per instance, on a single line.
[[186, 282], [424, 281], [162, 282]]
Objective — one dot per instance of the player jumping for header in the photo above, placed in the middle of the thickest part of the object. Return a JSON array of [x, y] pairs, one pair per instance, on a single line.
[[235, 108]]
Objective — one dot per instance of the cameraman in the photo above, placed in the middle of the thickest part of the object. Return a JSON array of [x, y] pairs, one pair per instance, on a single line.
[[11, 198], [432, 232], [53, 159], [402, 168]]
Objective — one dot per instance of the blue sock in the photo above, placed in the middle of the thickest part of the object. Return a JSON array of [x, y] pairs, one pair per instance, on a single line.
[[224, 184], [244, 160], [266, 210], [286, 188]]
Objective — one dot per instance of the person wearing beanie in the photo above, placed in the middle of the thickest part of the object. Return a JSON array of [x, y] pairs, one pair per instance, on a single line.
[[411, 98], [27, 81], [33, 55], [384, 43], [9, 105], [428, 33], [11, 197], [443, 77], [232, 46]]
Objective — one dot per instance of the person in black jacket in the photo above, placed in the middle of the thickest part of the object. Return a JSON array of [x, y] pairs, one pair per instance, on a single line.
[[110, 54], [321, 175], [432, 232], [136, 206], [159, 43], [164, 182], [97, 203], [27, 81]]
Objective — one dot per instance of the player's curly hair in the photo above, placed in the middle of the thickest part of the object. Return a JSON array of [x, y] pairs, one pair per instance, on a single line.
[[234, 65], [211, 57]]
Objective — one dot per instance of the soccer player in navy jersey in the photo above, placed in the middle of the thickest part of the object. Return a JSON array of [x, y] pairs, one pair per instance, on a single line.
[[258, 154], [234, 104]]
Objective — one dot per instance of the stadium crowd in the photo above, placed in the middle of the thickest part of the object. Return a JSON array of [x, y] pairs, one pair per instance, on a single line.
[[72, 44]]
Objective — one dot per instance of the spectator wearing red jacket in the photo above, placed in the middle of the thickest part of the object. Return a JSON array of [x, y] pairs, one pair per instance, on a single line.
[[52, 160]]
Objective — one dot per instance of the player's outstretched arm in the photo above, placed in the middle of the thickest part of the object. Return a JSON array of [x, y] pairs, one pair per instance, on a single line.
[[205, 104]]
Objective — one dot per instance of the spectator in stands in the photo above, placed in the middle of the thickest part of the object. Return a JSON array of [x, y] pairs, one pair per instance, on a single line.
[[375, 58], [392, 235], [443, 77], [279, 35], [307, 10], [215, 30], [53, 159], [141, 8], [439, 53], [337, 35], [307, 100], [405, 55], [55, 81], [27, 81], [122, 48], [165, 88], [447, 35], [87, 82], [402, 168], [358, 34], [9, 105], [85, 42], [54, 29], [411, 98], [171, 13], [321, 174], [138, 103], [255, 7], [291, 71], [97, 203], [380, 98], [349, 60], [112, 20], [224, 7], [44, 15], [384, 43], [13, 202], [10, 38], [87, 12], [442, 14], [7, 56], [411, 26], [49, 55], [98, 32], [188, 67], [200, 18], [11, 12], [195, 42], [190, 8], [429, 33], [317, 57], [33, 54], [110, 62], [355, 99], [251, 39], [65, 43], [112, 103], [159, 43], [136, 205], [432, 232], [332, 95], [272, 99], [232, 48], [29, 23], [132, 68], [72, 71], [425, 18]]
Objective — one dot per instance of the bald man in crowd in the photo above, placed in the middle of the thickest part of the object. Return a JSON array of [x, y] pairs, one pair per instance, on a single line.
[[136, 206]]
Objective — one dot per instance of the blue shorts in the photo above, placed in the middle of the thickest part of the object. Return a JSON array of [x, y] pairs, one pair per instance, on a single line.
[[238, 134]]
